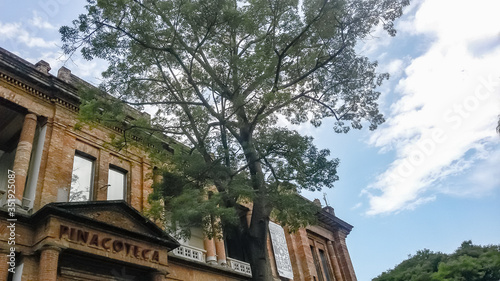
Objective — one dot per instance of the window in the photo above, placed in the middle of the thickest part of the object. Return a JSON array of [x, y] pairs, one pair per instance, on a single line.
[[117, 182], [324, 263], [19, 270], [316, 264], [321, 261], [234, 243], [82, 179]]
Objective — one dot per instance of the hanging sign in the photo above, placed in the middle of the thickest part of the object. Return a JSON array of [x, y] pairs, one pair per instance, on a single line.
[[280, 251]]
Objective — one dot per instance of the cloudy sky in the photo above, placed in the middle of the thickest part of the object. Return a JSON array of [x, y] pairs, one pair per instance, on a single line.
[[427, 178]]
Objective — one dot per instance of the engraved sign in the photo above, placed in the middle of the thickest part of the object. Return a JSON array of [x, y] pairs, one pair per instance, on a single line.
[[280, 251], [107, 243]]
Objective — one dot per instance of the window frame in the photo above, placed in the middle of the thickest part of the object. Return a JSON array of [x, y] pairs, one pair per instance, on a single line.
[[91, 159], [125, 174], [316, 245]]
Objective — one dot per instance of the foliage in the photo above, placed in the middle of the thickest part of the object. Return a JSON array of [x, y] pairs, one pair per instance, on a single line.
[[468, 263], [223, 76]]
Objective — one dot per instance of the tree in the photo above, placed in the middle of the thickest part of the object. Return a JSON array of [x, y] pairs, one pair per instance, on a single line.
[[418, 267], [469, 262], [223, 75]]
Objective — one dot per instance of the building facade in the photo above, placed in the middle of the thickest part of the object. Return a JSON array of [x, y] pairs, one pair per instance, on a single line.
[[70, 204]]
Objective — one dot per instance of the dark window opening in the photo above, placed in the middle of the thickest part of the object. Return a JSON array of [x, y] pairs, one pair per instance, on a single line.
[[320, 257], [325, 264], [234, 240], [317, 265], [79, 266]]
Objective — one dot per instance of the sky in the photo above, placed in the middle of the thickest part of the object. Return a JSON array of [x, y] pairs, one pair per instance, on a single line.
[[429, 177]]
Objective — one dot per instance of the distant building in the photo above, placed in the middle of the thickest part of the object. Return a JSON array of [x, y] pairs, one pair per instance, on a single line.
[[70, 204]]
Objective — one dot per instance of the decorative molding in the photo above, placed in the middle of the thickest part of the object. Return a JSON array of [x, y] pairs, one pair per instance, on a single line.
[[189, 252], [240, 266], [34, 92]]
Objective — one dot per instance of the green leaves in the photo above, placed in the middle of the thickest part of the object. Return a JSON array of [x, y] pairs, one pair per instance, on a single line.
[[220, 74], [468, 263], [471, 262], [291, 158], [294, 211]]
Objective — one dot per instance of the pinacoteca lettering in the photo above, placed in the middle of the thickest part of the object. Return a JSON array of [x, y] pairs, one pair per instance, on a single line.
[[94, 240]]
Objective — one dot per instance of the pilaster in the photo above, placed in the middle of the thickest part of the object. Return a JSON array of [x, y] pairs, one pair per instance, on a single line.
[[49, 257], [343, 253], [335, 260], [4, 265], [23, 155]]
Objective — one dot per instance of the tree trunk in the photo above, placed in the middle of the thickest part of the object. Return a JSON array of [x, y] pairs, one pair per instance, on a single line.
[[257, 242], [258, 230]]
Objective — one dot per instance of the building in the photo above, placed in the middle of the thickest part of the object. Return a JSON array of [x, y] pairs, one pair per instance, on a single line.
[[70, 204]]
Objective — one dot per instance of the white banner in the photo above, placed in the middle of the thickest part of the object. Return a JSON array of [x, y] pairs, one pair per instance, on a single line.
[[280, 249]]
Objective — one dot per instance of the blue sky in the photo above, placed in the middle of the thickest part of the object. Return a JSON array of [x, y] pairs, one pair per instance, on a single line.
[[427, 178]]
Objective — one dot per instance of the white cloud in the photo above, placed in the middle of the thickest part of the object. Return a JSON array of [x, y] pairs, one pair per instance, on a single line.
[[445, 119], [483, 179], [395, 68], [16, 32], [9, 30], [372, 44], [90, 71], [357, 206], [40, 22]]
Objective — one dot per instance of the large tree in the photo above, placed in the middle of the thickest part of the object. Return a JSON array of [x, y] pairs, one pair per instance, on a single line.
[[224, 75], [469, 262]]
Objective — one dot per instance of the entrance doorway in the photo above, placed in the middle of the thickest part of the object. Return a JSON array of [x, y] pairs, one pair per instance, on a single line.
[[77, 266]]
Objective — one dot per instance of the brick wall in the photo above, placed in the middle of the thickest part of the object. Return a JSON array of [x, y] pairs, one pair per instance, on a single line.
[[62, 141]]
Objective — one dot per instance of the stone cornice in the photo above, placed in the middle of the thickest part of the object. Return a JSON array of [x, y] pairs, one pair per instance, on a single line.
[[332, 222], [24, 76]]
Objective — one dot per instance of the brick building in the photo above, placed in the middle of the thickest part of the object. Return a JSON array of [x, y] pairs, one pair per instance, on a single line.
[[70, 204]]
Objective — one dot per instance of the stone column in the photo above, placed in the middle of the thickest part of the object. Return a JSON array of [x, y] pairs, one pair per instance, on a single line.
[[210, 248], [4, 266], [335, 261], [49, 257], [220, 250], [23, 155]]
